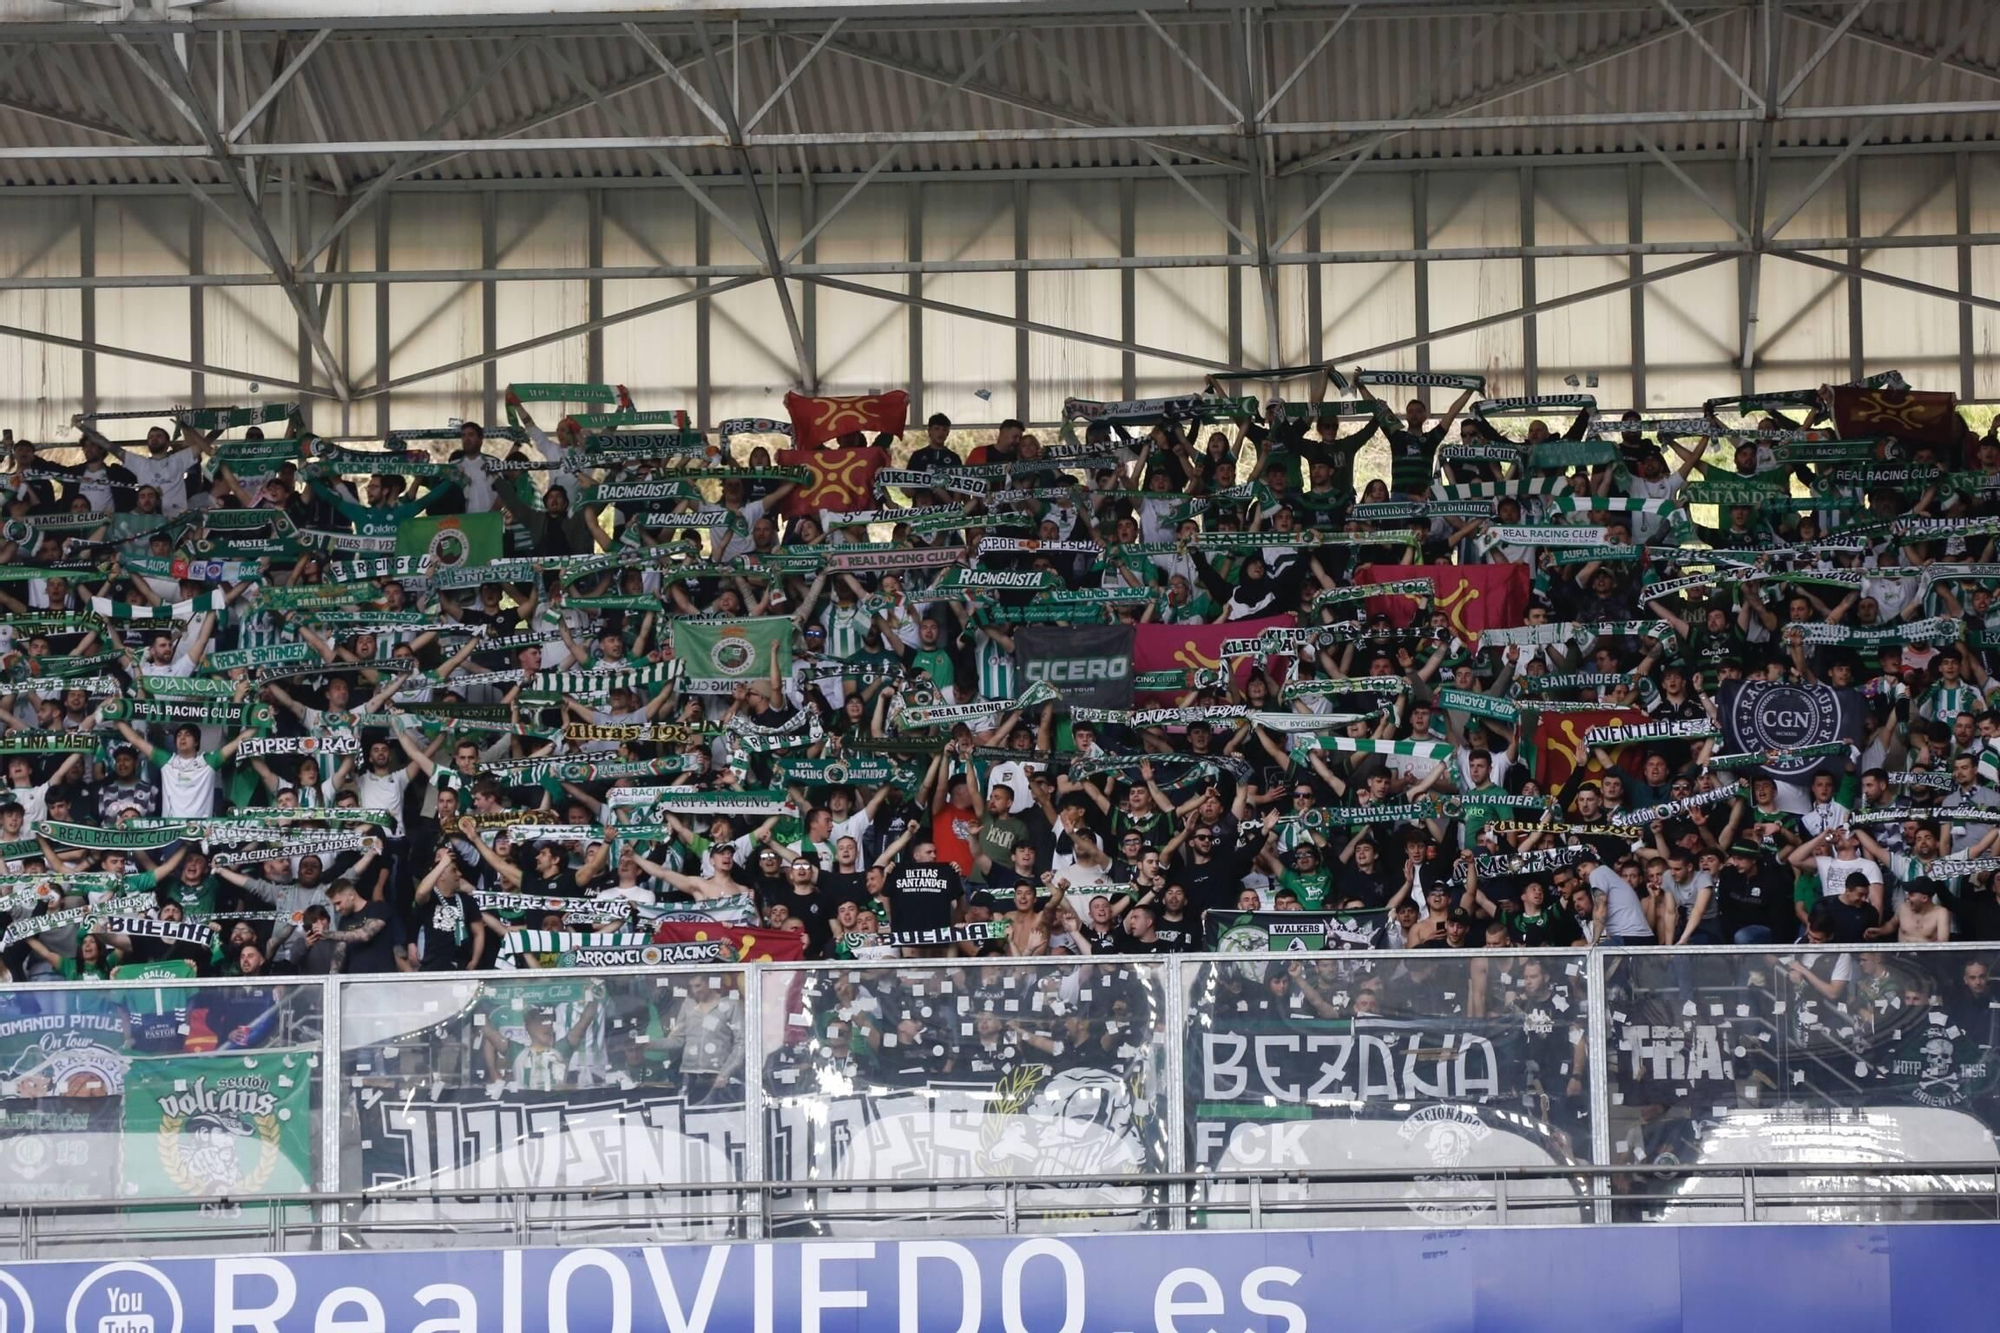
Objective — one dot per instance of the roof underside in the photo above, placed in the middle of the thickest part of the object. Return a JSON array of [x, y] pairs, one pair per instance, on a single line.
[[80, 89]]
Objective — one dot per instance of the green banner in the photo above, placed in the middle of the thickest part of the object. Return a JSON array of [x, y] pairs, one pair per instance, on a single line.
[[211, 1125], [733, 650], [454, 541]]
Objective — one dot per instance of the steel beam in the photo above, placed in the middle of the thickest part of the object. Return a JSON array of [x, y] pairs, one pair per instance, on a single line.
[[680, 80], [277, 85], [1423, 339], [91, 348], [274, 254], [558, 335], [897, 144], [1332, 31], [1019, 101], [1193, 65], [785, 84], [1956, 64], [1252, 60], [1880, 115], [1891, 280], [1825, 48], [1751, 286], [1539, 79], [1709, 51], [1962, 200], [808, 372], [1020, 323]]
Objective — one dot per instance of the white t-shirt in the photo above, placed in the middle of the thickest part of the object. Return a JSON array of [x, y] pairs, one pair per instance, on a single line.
[[384, 792], [1833, 873], [166, 473], [187, 786]]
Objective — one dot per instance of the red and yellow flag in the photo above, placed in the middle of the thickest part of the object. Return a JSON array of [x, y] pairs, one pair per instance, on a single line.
[[817, 420]]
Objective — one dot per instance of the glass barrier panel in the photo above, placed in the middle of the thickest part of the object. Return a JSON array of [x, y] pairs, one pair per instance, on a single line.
[[554, 1081], [1863, 1057], [170, 1102], [947, 1075], [1449, 1066]]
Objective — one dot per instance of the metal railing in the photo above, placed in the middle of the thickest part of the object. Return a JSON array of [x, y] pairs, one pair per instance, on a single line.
[[1585, 1185], [1174, 1200]]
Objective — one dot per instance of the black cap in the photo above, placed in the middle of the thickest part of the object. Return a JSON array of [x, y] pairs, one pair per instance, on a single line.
[[1460, 915]]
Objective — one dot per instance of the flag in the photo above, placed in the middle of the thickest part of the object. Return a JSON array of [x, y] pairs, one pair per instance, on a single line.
[[1915, 418], [1472, 597], [1089, 664], [1559, 747], [1293, 932], [1759, 716], [817, 420], [204, 1126], [1197, 646], [746, 944], [843, 480], [453, 540], [735, 651]]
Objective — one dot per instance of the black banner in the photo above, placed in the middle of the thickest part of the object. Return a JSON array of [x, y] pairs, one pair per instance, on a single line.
[[1091, 665], [54, 1148], [1760, 716]]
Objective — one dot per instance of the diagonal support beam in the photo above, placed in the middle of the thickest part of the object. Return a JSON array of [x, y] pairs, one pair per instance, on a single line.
[[1645, 140], [1160, 159], [785, 84], [1539, 307], [1192, 64], [1249, 37], [1014, 322], [1712, 53], [993, 48], [1367, 146], [666, 163], [273, 253], [1333, 30], [375, 187], [564, 335], [277, 85], [1956, 64], [155, 359], [1020, 101], [680, 80], [1890, 280], [1526, 84], [1981, 13], [808, 372], [1825, 48]]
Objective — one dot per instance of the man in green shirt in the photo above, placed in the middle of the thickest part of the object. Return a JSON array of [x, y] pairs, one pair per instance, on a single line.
[[1307, 879], [929, 656]]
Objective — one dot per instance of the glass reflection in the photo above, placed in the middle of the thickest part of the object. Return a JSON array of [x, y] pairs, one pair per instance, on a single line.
[[958, 1073]]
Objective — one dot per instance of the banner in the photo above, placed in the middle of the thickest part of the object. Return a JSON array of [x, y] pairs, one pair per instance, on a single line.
[[454, 541], [201, 1127], [54, 1148], [1760, 716], [1293, 932], [70, 1053], [1087, 665], [1909, 415], [818, 420], [1559, 741], [734, 944], [733, 651], [1473, 597], [1197, 646]]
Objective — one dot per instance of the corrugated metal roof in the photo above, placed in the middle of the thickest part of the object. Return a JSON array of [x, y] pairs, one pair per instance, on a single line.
[[393, 85]]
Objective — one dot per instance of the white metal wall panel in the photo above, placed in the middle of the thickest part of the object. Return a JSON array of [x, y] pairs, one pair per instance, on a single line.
[[1986, 277], [752, 361], [1062, 222], [1476, 208], [434, 324], [1594, 337], [546, 230], [41, 385], [1691, 320], [142, 235], [653, 355], [1367, 305], [1186, 309], [1907, 330], [1802, 312], [863, 342], [252, 329], [965, 357]]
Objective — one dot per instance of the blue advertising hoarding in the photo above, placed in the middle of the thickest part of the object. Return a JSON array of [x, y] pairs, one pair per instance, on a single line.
[[1648, 1279]]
